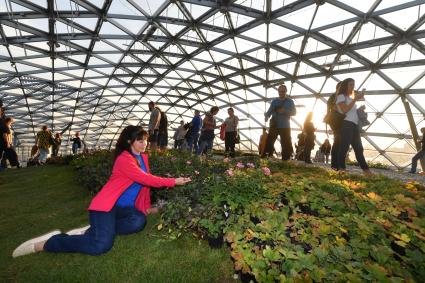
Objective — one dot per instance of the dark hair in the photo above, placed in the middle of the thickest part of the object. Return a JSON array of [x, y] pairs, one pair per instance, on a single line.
[[127, 137], [214, 109], [343, 88], [44, 128], [7, 120]]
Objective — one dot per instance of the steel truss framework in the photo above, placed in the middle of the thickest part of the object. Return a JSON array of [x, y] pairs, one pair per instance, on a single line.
[[92, 66]]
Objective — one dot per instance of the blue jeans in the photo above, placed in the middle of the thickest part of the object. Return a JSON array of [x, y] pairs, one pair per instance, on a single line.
[[74, 148], [44, 152], [99, 238], [415, 159], [192, 142], [350, 134], [206, 141]]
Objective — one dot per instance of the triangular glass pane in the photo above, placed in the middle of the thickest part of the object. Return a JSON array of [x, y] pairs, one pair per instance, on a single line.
[[362, 6], [300, 18], [277, 33], [196, 10], [329, 14], [276, 55], [15, 7], [420, 84], [211, 35], [89, 23], [403, 76], [359, 77], [373, 54], [173, 11], [239, 20], [369, 31], [257, 33], [339, 33], [403, 19], [376, 82], [404, 53], [134, 26], [314, 45], [110, 29], [217, 20], [40, 24]]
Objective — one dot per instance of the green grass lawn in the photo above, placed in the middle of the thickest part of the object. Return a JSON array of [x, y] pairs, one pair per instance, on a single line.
[[34, 201]]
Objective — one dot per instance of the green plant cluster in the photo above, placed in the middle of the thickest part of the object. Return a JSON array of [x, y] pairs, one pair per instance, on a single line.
[[376, 165], [93, 169], [299, 224]]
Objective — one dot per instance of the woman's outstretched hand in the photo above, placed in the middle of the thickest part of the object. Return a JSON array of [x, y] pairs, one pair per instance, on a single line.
[[182, 181]]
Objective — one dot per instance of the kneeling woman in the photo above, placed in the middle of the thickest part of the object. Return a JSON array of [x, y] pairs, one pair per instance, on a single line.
[[119, 208]]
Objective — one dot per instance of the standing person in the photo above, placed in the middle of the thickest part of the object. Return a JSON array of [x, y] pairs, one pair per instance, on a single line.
[[335, 130], [179, 135], [7, 152], [43, 141], [76, 143], [420, 154], [350, 132], [56, 144], [207, 133], [280, 111], [231, 130], [325, 149], [153, 127], [120, 208], [308, 137], [162, 130], [263, 141], [193, 133]]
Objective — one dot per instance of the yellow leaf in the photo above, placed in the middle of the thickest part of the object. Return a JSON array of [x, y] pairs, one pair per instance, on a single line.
[[159, 227], [404, 238]]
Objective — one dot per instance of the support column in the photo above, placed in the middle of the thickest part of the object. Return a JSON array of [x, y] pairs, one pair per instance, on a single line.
[[413, 128]]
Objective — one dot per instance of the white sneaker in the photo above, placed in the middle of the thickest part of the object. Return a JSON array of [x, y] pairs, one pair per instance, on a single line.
[[28, 247], [78, 231]]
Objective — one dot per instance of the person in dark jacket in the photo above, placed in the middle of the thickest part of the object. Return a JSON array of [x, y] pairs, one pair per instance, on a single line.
[[420, 154], [325, 149], [309, 137]]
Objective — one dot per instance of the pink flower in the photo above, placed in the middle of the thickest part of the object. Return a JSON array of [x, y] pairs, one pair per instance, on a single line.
[[173, 158], [197, 172], [266, 171], [188, 162], [250, 165], [230, 172], [240, 165], [226, 160]]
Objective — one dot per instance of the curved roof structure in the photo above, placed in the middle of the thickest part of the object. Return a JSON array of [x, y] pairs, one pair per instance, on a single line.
[[92, 66]]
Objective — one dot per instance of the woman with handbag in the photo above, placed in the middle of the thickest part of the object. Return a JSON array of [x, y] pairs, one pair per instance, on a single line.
[[349, 131], [231, 132]]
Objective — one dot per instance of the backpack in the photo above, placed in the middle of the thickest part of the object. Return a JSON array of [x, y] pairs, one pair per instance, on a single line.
[[163, 123], [333, 118]]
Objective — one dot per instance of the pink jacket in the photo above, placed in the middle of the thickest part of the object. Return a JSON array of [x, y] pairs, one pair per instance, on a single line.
[[125, 172]]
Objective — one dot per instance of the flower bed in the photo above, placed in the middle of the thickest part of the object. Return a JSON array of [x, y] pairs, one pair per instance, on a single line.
[[288, 222]]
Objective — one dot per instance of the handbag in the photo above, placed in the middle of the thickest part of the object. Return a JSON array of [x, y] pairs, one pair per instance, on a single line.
[[237, 138], [223, 132]]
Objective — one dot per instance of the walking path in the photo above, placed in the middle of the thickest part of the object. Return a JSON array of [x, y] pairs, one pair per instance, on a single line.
[[403, 176]]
